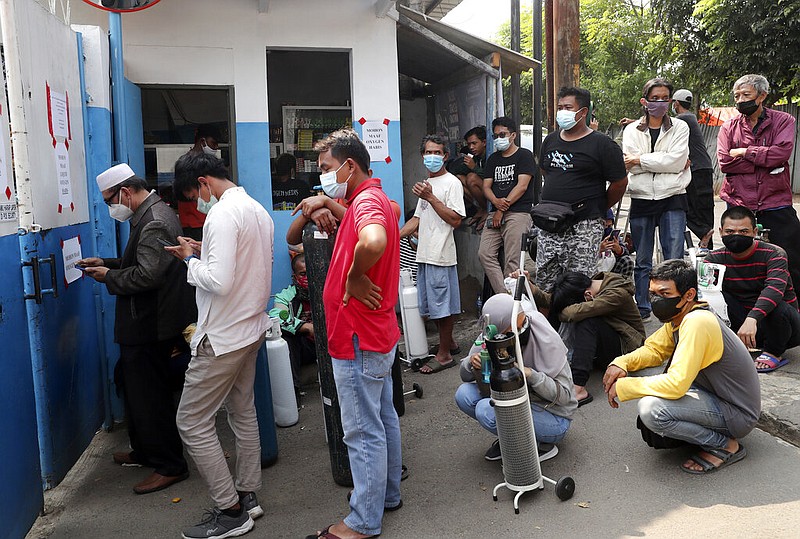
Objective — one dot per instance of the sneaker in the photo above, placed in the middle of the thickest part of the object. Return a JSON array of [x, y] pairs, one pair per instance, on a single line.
[[493, 453], [645, 316], [250, 504], [218, 525], [547, 451]]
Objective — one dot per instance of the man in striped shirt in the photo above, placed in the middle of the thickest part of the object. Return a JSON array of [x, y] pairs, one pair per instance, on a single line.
[[762, 305]]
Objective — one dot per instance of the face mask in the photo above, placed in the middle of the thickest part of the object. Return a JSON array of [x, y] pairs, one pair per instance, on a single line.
[[331, 187], [301, 280], [433, 163], [120, 212], [202, 205], [747, 107], [737, 243], [524, 333], [566, 119], [502, 144], [665, 309], [657, 109]]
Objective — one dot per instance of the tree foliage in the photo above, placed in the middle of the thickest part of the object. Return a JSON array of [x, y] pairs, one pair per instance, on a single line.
[[703, 45]]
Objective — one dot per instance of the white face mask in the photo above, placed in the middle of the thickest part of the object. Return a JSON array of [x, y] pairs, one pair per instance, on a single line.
[[331, 187], [566, 119], [502, 144], [202, 205], [209, 151], [119, 211]]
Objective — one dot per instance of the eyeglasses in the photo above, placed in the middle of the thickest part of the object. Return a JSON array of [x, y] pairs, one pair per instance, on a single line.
[[504, 134], [110, 200]]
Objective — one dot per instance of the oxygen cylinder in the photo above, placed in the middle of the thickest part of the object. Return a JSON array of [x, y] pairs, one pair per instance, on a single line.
[[513, 412], [709, 284], [284, 402], [413, 325], [318, 247]]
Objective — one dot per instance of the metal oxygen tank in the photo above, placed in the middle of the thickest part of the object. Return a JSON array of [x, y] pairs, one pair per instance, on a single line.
[[284, 402], [413, 326], [318, 248], [513, 412]]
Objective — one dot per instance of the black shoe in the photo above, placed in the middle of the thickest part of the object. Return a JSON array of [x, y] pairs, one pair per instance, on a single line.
[[493, 453], [546, 451]]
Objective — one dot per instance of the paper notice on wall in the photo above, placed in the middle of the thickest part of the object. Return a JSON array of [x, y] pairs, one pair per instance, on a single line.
[[63, 180], [58, 111], [375, 136], [71, 250], [8, 202]]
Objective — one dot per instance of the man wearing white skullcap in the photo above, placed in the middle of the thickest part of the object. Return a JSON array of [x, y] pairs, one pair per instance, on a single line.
[[153, 306]]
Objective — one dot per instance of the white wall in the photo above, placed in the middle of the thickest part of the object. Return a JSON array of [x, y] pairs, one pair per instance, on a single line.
[[224, 43]]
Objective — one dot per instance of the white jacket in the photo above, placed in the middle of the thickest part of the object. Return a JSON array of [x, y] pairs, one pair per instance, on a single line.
[[662, 173]]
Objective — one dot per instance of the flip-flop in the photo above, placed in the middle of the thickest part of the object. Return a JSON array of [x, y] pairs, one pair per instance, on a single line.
[[585, 400], [726, 457], [433, 350], [772, 361], [324, 534], [435, 366]]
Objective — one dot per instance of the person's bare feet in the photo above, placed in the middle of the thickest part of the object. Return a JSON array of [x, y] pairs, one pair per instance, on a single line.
[[732, 447], [580, 392], [341, 530], [443, 359]]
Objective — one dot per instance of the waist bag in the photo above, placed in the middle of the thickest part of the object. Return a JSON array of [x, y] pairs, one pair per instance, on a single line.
[[556, 217]]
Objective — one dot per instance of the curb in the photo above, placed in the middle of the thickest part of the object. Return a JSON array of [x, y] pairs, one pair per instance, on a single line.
[[783, 429]]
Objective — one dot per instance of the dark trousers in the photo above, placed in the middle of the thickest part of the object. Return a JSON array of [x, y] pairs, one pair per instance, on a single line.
[[777, 332], [302, 351], [145, 376], [784, 230], [595, 344], [700, 191]]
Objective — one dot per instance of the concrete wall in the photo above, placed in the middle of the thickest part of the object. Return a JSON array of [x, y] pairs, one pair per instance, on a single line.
[[412, 130]]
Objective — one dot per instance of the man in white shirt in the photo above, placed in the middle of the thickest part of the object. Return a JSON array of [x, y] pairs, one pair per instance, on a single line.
[[232, 276], [440, 209]]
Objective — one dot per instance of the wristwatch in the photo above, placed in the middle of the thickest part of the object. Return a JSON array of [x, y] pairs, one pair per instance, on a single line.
[[188, 258]]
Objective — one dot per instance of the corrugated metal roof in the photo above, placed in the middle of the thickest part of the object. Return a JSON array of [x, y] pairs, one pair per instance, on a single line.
[[439, 8], [422, 59]]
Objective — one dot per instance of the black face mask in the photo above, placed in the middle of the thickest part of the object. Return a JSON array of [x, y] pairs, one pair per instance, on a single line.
[[737, 243], [747, 107], [665, 309]]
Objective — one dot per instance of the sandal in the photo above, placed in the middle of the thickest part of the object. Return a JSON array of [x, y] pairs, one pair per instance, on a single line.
[[435, 366], [772, 361], [726, 457]]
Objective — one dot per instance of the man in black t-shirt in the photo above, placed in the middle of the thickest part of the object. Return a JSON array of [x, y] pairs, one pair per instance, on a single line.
[[507, 187], [287, 191], [468, 167], [577, 163]]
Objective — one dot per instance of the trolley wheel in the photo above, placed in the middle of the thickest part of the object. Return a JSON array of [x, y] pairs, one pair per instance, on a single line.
[[417, 363], [565, 488], [417, 390]]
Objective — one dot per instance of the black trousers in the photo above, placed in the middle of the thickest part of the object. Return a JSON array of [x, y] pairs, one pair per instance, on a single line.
[[302, 351], [784, 230], [146, 378], [700, 191], [595, 344], [777, 332]]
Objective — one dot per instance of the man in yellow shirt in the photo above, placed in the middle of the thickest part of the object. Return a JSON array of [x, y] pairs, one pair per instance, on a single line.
[[708, 394]]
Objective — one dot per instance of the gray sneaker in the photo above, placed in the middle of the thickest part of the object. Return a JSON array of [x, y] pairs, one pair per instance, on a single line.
[[218, 525], [493, 453], [250, 504]]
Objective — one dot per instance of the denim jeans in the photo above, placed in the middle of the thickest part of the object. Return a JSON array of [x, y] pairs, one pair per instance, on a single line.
[[671, 226], [695, 418], [550, 428], [372, 435]]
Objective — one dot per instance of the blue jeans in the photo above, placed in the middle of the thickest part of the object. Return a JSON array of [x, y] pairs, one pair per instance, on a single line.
[[695, 418], [671, 226], [550, 428], [372, 435]]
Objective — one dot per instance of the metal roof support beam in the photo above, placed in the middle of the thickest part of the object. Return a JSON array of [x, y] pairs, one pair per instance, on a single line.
[[453, 49]]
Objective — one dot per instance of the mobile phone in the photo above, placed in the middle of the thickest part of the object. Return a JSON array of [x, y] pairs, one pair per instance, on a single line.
[[615, 234], [81, 268], [165, 243]]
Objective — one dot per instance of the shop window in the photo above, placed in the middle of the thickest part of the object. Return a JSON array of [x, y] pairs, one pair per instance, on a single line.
[[309, 97]]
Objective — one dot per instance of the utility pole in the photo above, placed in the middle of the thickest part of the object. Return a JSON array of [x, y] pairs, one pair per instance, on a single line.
[[548, 18], [566, 43], [515, 42]]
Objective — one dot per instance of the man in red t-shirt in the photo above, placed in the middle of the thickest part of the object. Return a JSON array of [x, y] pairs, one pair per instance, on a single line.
[[359, 297]]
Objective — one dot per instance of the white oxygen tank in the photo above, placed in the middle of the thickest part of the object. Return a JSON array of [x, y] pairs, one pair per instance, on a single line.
[[284, 402], [413, 325]]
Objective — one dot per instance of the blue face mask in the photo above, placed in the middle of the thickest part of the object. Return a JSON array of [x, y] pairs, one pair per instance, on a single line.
[[331, 187], [202, 205], [566, 119], [433, 162]]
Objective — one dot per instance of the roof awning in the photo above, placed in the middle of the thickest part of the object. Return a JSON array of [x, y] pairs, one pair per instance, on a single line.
[[431, 51]]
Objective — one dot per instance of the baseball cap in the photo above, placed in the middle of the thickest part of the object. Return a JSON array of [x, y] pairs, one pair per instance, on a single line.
[[684, 96]]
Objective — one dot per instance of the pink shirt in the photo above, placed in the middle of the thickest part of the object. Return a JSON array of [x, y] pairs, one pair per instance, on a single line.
[[377, 330]]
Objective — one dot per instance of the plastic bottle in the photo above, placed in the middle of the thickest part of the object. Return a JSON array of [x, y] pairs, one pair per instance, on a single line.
[[284, 402]]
